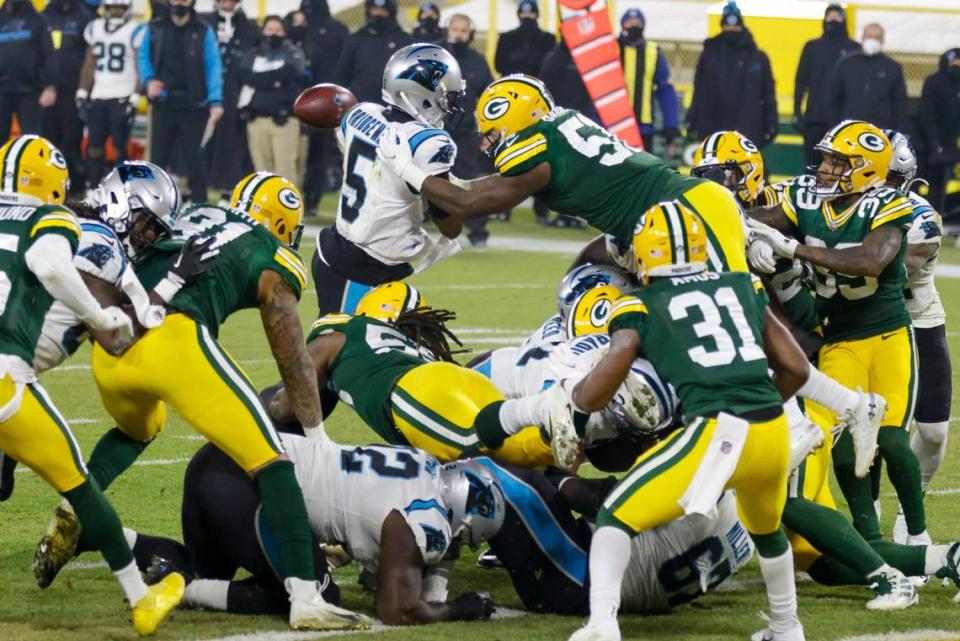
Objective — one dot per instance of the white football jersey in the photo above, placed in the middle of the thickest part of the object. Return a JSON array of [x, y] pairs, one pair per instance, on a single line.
[[552, 332], [350, 490], [116, 55], [100, 254], [923, 300], [378, 211], [682, 560]]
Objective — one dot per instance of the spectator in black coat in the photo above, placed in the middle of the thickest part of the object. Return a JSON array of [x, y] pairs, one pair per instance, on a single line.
[[368, 50], [227, 157], [733, 87], [869, 85], [28, 67], [939, 118], [818, 59], [524, 49], [428, 24], [563, 80]]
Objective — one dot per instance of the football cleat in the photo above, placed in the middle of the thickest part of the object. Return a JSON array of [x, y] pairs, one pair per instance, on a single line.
[[157, 603], [564, 441], [308, 610], [894, 591], [58, 545], [607, 630], [863, 423], [793, 631], [804, 439], [951, 569], [489, 560]]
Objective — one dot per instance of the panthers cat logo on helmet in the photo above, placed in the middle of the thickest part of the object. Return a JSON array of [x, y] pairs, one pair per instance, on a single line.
[[274, 202], [670, 240], [426, 73], [510, 105], [867, 152], [590, 313], [33, 166], [732, 160], [588, 276], [386, 302]]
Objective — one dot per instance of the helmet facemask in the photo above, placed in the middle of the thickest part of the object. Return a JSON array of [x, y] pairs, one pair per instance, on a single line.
[[838, 182]]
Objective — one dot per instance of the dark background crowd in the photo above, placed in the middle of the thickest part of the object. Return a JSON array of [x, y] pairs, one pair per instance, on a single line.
[[221, 86]]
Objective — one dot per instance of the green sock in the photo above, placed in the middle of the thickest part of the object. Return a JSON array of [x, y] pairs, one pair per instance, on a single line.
[[876, 472], [101, 525], [909, 559], [903, 468], [771, 545], [488, 428], [827, 571], [113, 454], [283, 511], [831, 534], [855, 490]]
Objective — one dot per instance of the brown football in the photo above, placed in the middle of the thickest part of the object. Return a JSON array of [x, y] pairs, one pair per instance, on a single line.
[[323, 105]]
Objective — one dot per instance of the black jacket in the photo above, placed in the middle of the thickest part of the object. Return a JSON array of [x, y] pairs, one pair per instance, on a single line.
[[234, 46], [818, 59], [435, 36], [523, 50], [559, 73], [939, 114], [27, 60], [470, 162], [733, 89], [68, 18], [324, 40], [365, 55], [277, 77], [869, 88]]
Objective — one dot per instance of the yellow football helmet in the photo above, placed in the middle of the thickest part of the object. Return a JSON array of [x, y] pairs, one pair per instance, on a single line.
[[867, 152], [386, 302], [510, 105], [590, 313], [670, 240], [34, 167], [274, 202], [732, 160]]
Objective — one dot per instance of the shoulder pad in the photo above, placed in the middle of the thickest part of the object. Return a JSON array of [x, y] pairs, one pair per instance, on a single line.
[[433, 150], [431, 529], [628, 304], [100, 253], [329, 323]]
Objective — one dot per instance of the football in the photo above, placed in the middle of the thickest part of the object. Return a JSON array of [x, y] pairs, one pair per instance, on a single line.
[[323, 105]]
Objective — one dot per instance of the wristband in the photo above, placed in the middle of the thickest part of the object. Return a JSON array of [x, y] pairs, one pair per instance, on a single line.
[[82, 94], [167, 288]]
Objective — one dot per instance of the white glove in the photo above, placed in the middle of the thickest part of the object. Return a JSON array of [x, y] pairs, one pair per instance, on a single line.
[[781, 245], [152, 316], [760, 256], [395, 152], [109, 319]]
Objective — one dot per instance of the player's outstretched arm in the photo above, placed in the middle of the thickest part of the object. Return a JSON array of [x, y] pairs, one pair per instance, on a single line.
[[281, 322], [869, 259], [400, 583], [487, 196], [787, 360], [597, 388]]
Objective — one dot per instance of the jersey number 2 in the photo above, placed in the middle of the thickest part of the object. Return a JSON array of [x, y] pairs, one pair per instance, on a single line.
[[360, 159], [404, 465]]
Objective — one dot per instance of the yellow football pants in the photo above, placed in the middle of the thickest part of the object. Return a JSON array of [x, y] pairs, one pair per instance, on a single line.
[[884, 364], [180, 363], [37, 436], [649, 494], [724, 221], [434, 407]]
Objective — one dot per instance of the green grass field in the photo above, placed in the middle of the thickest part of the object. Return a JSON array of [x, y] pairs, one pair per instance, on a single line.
[[500, 296]]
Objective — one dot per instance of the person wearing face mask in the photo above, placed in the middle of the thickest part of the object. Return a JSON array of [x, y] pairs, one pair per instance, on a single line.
[[733, 87], [428, 24], [524, 49], [28, 67], [939, 118], [819, 57], [180, 66], [227, 158], [648, 78], [368, 49], [868, 85], [273, 74]]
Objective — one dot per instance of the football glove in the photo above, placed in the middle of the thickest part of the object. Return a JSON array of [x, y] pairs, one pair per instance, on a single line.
[[195, 257], [82, 99], [471, 606], [781, 245], [760, 256]]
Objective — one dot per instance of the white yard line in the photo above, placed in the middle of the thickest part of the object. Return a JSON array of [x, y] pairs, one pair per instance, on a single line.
[[909, 635], [491, 331], [153, 461]]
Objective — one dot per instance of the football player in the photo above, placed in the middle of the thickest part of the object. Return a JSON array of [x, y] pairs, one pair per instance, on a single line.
[[36, 269], [413, 510], [107, 94], [854, 232], [934, 387], [379, 234], [256, 267], [577, 167]]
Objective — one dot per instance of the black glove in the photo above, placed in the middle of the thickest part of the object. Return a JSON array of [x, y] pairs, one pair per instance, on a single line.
[[195, 257], [471, 606], [83, 109]]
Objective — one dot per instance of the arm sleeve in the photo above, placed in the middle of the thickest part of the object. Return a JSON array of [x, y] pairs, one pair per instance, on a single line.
[[50, 258], [213, 66], [665, 94], [144, 61], [802, 82]]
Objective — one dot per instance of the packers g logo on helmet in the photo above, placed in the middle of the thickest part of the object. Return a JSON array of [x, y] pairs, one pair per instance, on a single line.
[[670, 240], [730, 151], [510, 105], [496, 108], [274, 202], [590, 313], [34, 167], [871, 141], [867, 152], [386, 302]]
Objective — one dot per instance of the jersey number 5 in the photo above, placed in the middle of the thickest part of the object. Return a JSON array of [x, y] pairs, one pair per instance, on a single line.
[[712, 326], [360, 159]]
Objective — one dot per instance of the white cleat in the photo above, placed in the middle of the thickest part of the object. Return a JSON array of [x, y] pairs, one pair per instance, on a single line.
[[308, 610], [863, 423], [793, 632], [607, 630], [919, 539], [894, 591], [950, 572], [804, 439], [564, 440], [900, 528]]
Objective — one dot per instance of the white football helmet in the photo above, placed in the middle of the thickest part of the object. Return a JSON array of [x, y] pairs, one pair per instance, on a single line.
[[424, 81], [903, 166]]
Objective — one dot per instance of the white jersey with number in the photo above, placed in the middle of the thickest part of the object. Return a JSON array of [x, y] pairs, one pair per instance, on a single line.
[[349, 491], [552, 332], [100, 254], [115, 52], [378, 211], [923, 300], [682, 560]]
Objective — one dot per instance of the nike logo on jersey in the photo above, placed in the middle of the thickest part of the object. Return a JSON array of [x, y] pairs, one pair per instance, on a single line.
[[884, 337]]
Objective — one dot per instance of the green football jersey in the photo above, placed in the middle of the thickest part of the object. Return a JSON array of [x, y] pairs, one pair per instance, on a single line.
[[704, 335], [24, 301], [374, 356], [593, 174], [852, 307], [244, 247]]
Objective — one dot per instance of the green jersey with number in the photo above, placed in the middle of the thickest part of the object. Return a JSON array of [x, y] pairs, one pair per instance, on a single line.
[[244, 248], [852, 307], [593, 174], [24, 301], [704, 335], [374, 356]]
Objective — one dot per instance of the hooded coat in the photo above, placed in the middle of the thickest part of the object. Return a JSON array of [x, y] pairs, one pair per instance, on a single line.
[[323, 40], [818, 59], [869, 88], [365, 55], [939, 112]]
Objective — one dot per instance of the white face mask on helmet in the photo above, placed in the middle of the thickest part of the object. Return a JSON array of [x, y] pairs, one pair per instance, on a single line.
[[423, 81]]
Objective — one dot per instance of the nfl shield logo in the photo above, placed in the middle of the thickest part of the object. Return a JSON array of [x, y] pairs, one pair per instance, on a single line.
[[726, 447]]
